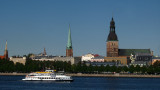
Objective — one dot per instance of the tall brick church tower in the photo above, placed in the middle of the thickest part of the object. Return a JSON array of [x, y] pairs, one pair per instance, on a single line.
[[69, 50], [112, 41]]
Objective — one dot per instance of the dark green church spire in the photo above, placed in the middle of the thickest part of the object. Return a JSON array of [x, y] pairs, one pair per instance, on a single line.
[[69, 43]]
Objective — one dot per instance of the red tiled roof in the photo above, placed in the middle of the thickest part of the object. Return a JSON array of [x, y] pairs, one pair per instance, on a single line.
[[96, 55], [2, 57]]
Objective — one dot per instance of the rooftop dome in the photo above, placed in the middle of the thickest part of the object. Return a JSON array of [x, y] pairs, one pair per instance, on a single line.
[[112, 35]]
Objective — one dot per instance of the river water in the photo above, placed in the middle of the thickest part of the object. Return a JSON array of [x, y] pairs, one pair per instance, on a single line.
[[81, 83]]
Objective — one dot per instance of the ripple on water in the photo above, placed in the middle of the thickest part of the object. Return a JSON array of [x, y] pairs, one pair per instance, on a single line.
[[79, 83]]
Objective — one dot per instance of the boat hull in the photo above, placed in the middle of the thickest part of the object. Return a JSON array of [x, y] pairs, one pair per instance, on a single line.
[[46, 80]]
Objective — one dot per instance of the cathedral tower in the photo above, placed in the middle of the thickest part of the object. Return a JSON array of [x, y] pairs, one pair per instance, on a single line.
[[112, 41], [69, 50]]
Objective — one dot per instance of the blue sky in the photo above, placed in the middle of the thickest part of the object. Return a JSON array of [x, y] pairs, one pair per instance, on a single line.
[[31, 25]]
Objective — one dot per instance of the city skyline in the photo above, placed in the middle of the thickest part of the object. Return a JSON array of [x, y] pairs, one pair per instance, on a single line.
[[31, 26]]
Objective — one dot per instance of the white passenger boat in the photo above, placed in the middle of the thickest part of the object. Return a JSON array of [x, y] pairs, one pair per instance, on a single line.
[[47, 75]]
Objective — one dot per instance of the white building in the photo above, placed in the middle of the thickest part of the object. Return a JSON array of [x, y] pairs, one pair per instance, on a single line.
[[97, 59], [88, 57], [73, 60], [18, 60]]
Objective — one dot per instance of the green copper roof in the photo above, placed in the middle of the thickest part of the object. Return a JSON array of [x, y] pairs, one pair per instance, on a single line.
[[128, 52], [69, 43]]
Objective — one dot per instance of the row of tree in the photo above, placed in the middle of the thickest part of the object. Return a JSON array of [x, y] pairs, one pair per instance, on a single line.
[[152, 69], [32, 65]]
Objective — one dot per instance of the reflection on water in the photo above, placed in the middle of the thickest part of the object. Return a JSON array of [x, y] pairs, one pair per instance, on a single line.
[[113, 83]]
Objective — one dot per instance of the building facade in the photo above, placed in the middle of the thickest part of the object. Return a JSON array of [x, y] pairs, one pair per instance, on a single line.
[[97, 59], [18, 60], [72, 60], [89, 57], [101, 63], [121, 59], [141, 59]]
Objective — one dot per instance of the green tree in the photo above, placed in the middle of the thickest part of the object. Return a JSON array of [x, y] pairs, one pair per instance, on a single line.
[[119, 69], [137, 68], [125, 69], [90, 69], [131, 69], [143, 69], [150, 70], [101, 68], [113, 68], [107, 68], [19, 67], [156, 64]]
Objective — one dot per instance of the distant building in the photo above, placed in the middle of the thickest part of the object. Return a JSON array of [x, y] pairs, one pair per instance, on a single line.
[[5, 56], [141, 59], [88, 57], [73, 60], [97, 59], [18, 60], [122, 59], [103, 63], [43, 53], [123, 55], [68, 58], [69, 49], [155, 59], [40, 54]]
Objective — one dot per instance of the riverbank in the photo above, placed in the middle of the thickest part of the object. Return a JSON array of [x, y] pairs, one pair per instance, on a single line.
[[114, 75], [97, 75], [14, 73]]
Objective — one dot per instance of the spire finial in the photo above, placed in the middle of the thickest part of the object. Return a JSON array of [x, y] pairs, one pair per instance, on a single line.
[[44, 52], [6, 45]]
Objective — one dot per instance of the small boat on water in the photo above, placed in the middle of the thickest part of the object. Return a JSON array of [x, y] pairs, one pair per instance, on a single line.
[[48, 75]]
